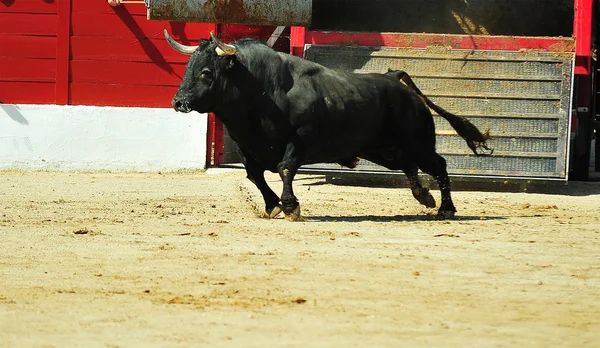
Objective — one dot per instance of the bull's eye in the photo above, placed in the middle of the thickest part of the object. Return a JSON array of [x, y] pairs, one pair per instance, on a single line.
[[206, 75]]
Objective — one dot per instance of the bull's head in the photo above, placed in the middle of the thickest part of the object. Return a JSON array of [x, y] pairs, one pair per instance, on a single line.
[[200, 87]]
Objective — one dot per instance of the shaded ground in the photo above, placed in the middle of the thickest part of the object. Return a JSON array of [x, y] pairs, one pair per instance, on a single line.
[[123, 260]]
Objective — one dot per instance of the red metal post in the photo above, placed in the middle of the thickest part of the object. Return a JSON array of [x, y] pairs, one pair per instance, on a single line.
[[219, 142], [63, 46], [583, 129], [297, 41], [210, 136], [214, 141], [582, 31]]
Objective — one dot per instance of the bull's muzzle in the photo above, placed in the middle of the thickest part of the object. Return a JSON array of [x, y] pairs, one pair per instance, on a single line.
[[181, 105]]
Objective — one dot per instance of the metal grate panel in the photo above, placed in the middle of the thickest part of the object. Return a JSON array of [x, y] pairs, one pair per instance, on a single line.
[[522, 97]]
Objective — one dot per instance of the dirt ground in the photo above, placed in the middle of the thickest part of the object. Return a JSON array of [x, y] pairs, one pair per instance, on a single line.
[[182, 260]]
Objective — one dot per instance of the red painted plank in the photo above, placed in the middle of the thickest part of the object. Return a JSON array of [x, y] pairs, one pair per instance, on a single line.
[[219, 139], [122, 95], [122, 49], [62, 52], [210, 138], [26, 92], [28, 24], [582, 31], [512, 43], [28, 70], [231, 32], [18, 46], [129, 73], [134, 26], [100, 6], [215, 141], [28, 6], [297, 41]]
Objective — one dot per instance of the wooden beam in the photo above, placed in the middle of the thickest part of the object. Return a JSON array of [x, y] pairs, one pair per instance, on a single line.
[[63, 36]]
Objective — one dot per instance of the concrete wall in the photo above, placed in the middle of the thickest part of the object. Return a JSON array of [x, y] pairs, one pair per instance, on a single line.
[[88, 138]]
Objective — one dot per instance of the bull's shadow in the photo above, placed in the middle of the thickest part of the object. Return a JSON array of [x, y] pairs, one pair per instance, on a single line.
[[397, 218]]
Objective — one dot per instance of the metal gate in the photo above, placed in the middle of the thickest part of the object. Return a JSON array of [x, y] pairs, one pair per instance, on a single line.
[[523, 98]]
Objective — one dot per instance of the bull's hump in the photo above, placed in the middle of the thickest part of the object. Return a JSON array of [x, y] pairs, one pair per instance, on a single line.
[[312, 71]]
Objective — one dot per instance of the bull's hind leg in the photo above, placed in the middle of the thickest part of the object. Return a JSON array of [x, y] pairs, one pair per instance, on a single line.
[[393, 160], [287, 169], [435, 165], [256, 174], [420, 193]]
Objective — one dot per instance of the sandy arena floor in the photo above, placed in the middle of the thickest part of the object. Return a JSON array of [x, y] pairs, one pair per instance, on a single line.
[[182, 260]]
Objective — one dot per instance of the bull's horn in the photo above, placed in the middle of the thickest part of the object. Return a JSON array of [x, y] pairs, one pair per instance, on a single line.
[[189, 50], [223, 49]]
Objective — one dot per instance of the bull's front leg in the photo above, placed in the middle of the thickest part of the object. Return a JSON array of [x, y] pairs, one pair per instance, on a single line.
[[256, 174], [287, 169]]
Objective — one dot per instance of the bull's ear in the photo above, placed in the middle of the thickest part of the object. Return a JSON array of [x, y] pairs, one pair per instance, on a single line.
[[230, 62]]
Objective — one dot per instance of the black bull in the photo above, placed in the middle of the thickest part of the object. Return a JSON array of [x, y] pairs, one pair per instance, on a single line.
[[284, 112]]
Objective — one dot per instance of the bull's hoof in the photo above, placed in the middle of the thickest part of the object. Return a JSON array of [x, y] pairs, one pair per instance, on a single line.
[[424, 197], [273, 212], [294, 215], [446, 214]]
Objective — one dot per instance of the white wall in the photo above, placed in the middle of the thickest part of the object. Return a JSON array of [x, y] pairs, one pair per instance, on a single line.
[[87, 138]]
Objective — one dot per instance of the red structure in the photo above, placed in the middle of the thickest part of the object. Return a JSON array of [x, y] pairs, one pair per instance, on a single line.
[[88, 53]]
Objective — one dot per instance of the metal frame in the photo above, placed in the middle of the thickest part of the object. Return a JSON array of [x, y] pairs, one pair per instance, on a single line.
[[539, 144], [582, 39], [580, 43]]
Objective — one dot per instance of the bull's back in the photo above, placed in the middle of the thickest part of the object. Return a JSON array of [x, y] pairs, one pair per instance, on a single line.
[[343, 113]]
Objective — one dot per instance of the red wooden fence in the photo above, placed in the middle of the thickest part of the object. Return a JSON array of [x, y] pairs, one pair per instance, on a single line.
[[87, 52], [27, 51]]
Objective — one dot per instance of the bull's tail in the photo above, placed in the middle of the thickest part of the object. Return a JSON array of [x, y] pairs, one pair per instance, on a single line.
[[474, 138]]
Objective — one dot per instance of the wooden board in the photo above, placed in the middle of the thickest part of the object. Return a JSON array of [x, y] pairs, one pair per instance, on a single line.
[[122, 95], [28, 24], [128, 73], [26, 92], [28, 70], [87, 52], [19, 46], [29, 6], [122, 49]]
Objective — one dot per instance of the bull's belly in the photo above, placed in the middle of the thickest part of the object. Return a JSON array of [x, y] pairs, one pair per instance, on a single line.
[[336, 145], [342, 151]]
